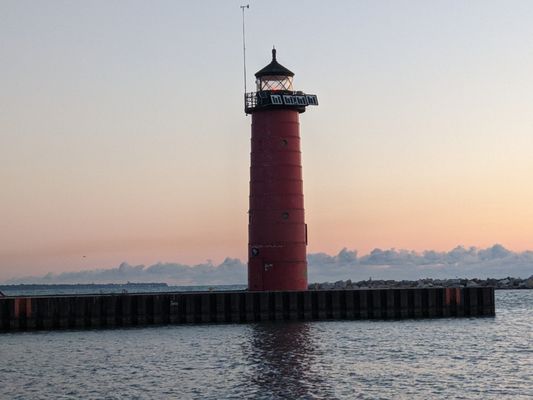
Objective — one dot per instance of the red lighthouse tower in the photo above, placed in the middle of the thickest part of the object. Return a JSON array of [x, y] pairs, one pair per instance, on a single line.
[[277, 234]]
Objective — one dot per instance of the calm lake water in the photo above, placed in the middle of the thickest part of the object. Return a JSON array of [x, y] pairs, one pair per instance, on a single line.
[[446, 358]]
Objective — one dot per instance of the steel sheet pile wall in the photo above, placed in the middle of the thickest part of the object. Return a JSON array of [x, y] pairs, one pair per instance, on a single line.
[[106, 311]]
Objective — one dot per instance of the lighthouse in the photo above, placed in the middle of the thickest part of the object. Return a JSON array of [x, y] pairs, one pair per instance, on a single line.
[[277, 232]]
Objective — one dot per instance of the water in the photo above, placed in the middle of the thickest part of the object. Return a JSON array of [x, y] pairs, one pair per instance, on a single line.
[[480, 358], [51, 290]]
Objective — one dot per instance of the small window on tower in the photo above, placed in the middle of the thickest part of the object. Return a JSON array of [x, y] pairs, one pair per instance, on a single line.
[[285, 215], [284, 142]]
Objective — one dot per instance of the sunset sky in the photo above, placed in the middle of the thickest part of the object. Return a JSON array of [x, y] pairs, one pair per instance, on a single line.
[[123, 136]]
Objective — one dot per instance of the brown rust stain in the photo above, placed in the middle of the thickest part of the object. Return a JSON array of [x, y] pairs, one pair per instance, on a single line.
[[452, 296], [22, 307], [458, 296]]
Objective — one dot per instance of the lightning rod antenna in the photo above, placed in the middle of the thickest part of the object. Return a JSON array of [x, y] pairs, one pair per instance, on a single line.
[[244, 45]]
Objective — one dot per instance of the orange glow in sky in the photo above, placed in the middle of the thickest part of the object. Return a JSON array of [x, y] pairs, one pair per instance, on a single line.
[[123, 137]]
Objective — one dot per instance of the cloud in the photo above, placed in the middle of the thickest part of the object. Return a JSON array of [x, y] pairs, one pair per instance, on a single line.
[[471, 262], [495, 261]]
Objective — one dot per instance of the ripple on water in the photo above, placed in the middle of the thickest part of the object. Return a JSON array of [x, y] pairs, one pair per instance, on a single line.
[[444, 358]]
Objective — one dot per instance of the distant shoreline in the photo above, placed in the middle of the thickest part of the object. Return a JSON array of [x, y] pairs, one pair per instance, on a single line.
[[37, 286], [499, 284]]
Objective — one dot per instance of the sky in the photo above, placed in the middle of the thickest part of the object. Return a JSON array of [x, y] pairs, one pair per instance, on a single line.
[[123, 136]]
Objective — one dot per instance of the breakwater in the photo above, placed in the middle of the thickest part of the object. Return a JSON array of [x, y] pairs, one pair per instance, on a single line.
[[504, 283], [117, 310]]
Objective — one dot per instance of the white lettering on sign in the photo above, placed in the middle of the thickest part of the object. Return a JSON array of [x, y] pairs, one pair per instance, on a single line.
[[301, 101], [312, 100], [276, 99], [294, 99], [289, 100]]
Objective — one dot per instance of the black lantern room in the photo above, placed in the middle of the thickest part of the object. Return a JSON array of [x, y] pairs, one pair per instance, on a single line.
[[274, 85], [274, 76]]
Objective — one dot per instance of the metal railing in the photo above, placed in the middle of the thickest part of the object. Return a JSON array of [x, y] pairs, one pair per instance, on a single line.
[[263, 98], [250, 100]]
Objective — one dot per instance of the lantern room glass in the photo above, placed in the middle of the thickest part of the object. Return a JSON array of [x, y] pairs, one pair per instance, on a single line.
[[274, 82]]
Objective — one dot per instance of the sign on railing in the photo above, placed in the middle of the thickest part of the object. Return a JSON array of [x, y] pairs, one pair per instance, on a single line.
[[267, 98], [294, 100]]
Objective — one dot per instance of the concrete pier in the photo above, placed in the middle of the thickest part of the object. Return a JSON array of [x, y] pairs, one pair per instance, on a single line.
[[122, 310]]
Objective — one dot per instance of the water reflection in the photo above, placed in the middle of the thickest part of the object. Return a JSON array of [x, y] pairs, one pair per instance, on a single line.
[[284, 358]]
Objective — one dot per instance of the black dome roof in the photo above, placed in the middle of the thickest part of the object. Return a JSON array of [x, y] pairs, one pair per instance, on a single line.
[[274, 68]]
